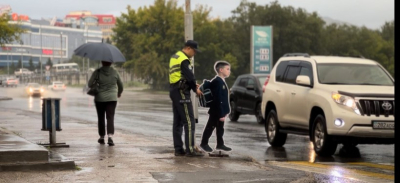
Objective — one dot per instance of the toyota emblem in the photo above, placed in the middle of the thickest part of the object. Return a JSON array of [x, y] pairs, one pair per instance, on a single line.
[[386, 106]]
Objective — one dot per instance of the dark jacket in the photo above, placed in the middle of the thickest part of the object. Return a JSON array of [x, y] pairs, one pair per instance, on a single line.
[[220, 105]]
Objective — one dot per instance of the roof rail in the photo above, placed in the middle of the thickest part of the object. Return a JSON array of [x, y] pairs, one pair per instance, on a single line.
[[354, 56], [296, 54]]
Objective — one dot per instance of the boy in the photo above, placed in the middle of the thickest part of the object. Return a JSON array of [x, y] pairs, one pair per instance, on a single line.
[[219, 107]]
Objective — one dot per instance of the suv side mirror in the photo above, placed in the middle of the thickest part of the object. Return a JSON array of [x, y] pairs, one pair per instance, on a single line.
[[303, 80], [250, 87]]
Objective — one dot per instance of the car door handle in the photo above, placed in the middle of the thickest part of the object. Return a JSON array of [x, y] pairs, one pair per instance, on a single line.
[[278, 90], [293, 93]]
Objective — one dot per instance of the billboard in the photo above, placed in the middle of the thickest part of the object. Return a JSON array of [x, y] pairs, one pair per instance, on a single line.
[[261, 49]]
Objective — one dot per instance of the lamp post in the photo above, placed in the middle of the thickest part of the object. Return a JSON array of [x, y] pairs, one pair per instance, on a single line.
[[22, 54], [61, 46]]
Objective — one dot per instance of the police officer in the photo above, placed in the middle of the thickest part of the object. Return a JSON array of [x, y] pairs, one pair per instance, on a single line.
[[181, 79]]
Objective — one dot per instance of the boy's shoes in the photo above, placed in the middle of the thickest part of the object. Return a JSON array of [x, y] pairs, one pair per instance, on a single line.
[[101, 141], [110, 142], [223, 148], [180, 153], [206, 148], [194, 153]]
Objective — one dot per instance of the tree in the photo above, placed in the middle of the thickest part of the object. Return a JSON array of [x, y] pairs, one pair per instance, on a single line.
[[12, 67], [19, 65], [31, 66], [49, 62], [9, 32]]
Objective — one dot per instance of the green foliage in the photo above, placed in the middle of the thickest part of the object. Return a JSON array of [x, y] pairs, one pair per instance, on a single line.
[[49, 62], [9, 32], [149, 35]]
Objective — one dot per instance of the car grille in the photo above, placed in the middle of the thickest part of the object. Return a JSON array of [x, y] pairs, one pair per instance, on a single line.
[[376, 107]]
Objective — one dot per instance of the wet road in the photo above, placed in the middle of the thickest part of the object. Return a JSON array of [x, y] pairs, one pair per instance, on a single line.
[[150, 113]]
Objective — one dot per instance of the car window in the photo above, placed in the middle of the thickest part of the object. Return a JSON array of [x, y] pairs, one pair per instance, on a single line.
[[307, 72], [243, 82], [291, 73], [280, 70], [250, 82], [353, 74]]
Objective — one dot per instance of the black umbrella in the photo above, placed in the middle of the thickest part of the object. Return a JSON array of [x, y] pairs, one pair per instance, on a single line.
[[100, 52]]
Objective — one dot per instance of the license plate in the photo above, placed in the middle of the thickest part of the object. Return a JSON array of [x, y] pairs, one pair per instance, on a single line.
[[382, 125]]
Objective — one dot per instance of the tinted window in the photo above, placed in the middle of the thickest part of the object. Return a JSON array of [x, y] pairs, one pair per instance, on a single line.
[[353, 74], [250, 82], [291, 73], [280, 70], [243, 82], [307, 72]]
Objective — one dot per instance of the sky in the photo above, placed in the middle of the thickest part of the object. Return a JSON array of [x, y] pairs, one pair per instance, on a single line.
[[369, 13]]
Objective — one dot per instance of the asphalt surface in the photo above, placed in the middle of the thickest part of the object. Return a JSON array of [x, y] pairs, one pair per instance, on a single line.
[[150, 114]]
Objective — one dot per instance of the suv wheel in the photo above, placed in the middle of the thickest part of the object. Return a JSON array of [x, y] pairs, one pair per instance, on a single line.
[[234, 115], [258, 114], [323, 144], [275, 138]]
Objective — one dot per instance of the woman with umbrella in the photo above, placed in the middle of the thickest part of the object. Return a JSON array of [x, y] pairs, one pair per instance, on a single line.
[[109, 85]]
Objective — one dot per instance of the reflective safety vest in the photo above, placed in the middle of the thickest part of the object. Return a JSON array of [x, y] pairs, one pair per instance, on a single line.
[[175, 73]]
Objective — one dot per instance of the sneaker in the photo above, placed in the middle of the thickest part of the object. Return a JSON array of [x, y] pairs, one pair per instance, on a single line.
[[223, 148], [101, 141], [206, 148], [110, 142], [194, 153], [180, 153]]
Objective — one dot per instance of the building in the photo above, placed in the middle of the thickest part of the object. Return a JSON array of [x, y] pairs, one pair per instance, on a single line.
[[42, 41], [105, 22]]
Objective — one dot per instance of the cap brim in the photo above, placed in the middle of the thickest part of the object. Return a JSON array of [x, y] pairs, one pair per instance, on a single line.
[[197, 50]]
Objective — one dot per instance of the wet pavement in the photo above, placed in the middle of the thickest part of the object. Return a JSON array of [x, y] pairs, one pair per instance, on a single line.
[[150, 114]]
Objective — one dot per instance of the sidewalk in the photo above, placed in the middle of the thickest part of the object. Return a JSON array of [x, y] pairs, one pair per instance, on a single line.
[[134, 158]]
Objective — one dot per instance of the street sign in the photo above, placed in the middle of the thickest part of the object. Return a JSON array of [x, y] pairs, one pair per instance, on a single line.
[[261, 49]]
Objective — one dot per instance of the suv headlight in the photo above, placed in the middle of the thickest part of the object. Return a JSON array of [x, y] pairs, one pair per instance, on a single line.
[[346, 101]]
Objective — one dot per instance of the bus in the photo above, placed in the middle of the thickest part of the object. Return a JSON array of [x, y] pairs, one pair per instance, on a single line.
[[65, 67]]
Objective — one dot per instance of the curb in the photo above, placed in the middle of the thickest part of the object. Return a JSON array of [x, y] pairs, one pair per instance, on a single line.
[[5, 98]]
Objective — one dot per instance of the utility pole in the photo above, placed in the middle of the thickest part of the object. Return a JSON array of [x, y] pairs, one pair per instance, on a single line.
[[61, 46], [189, 36], [41, 52]]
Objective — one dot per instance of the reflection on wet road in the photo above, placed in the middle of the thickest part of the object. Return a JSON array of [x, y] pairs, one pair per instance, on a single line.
[[150, 113]]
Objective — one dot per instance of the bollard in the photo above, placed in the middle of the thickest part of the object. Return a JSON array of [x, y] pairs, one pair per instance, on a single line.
[[51, 120]]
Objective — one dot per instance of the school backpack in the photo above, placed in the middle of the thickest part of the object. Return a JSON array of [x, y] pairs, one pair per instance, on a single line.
[[207, 97]]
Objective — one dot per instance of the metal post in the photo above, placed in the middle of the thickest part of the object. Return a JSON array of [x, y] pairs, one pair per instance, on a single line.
[[53, 125], [61, 47], [41, 52], [8, 63], [189, 36]]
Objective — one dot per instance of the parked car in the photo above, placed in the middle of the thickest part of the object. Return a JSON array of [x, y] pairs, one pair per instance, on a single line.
[[9, 82], [246, 96], [34, 89], [22, 71], [333, 100], [57, 85]]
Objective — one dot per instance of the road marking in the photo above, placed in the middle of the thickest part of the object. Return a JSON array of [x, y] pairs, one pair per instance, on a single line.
[[337, 171], [386, 167], [253, 180]]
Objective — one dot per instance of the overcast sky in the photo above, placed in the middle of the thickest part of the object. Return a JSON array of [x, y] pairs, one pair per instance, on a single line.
[[370, 13]]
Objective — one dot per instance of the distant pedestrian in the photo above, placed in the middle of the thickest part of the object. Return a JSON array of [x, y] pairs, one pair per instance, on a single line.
[[219, 108], [110, 87]]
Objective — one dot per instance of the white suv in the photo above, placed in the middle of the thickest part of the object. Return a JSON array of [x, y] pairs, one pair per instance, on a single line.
[[331, 99]]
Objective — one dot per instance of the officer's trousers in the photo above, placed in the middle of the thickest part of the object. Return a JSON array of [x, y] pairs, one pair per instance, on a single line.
[[183, 118]]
